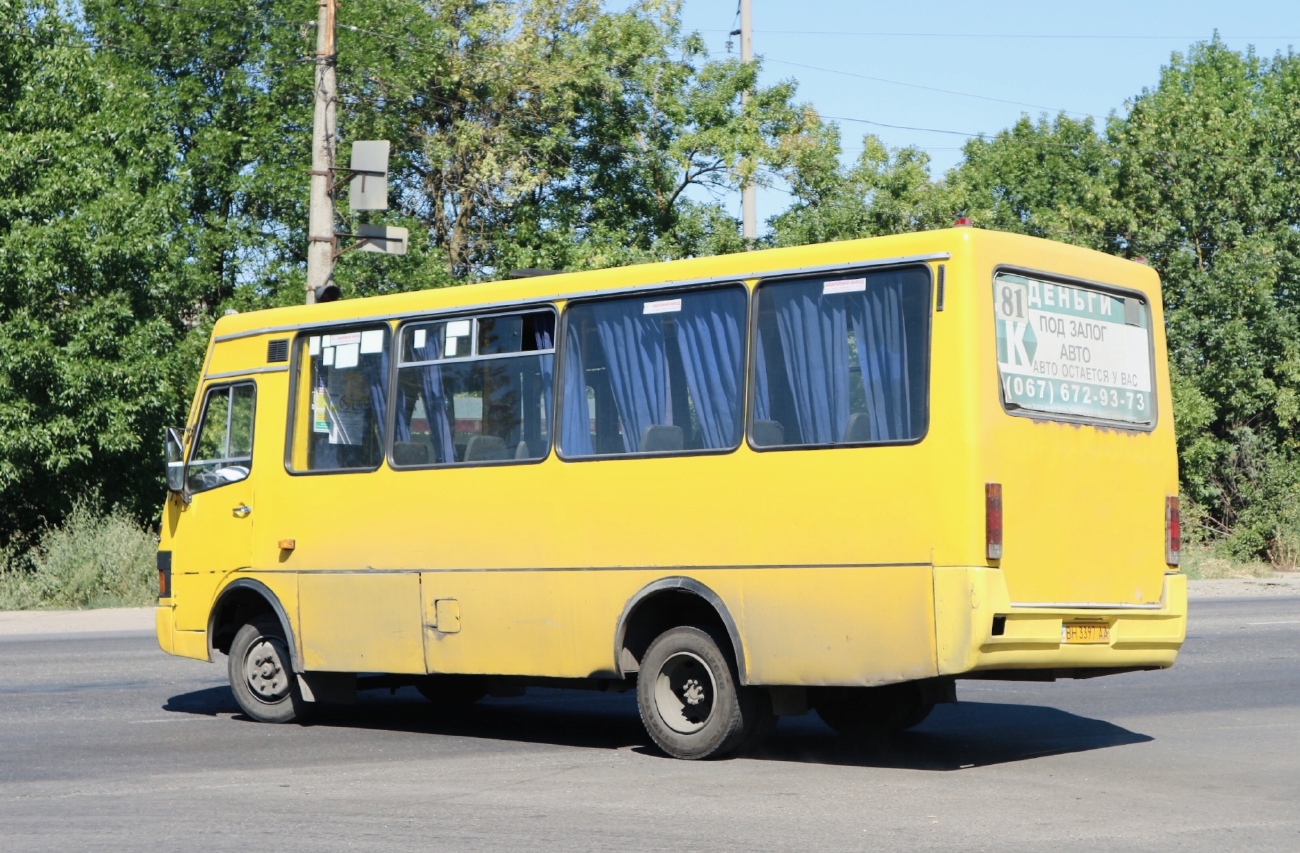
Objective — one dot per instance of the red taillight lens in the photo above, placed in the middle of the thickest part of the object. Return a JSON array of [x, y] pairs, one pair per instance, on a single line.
[[1173, 531], [993, 520]]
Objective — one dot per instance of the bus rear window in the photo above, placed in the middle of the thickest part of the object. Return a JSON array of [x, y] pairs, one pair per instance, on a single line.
[[842, 359], [1071, 351]]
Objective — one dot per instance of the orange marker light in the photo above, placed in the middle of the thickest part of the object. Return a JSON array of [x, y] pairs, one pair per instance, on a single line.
[[288, 544]]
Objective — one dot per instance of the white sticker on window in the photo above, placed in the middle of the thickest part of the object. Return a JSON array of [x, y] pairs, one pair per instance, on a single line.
[[458, 329], [347, 356], [449, 349], [372, 341], [345, 338], [320, 410], [418, 339], [846, 285], [327, 356], [313, 345], [663, 306]]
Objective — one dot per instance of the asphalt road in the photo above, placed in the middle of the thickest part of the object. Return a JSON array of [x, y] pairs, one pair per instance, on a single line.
[[108, 744]]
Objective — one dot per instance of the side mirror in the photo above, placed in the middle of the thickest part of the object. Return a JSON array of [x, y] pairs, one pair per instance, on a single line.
[[175, 460]]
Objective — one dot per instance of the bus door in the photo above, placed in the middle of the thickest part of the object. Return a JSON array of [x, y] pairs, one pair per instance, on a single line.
[[216, 534]]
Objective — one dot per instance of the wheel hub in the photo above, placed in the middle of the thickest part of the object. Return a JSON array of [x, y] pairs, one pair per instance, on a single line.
[[264, 669], [684, 693]]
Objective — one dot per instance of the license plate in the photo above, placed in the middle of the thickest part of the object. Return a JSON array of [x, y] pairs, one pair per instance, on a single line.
[[1085, 632]]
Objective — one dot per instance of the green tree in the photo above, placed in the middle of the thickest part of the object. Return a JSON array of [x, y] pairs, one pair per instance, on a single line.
[[1208, 182], [548, 133], [94, 355], [883, 192], [1051, 178], [232, 85]]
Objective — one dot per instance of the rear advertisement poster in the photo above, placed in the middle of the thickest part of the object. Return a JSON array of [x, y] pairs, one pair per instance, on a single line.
[[1070, 350]]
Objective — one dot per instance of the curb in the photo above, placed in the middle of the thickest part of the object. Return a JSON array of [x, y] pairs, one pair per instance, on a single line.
[[108, 621]]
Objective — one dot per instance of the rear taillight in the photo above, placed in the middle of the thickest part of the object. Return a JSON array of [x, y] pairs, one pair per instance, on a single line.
[[164, 574], [993, 520], [1173, 531]]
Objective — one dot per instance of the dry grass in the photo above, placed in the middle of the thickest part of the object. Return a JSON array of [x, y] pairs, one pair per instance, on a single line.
[[1201, 562], [94, 559]]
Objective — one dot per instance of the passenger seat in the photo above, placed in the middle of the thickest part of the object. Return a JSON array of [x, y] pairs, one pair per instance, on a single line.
[[661, 438], [485, 448]]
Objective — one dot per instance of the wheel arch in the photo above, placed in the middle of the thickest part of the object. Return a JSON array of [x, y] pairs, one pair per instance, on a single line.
[[240, 600], [664, 604]]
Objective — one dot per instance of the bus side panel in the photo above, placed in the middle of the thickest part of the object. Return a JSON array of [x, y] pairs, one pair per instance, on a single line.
[[833, 626], [548, 623], [361, 622], [813, 626]]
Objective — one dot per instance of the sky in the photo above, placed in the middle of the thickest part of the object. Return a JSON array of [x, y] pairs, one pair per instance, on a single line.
[[995, 61]]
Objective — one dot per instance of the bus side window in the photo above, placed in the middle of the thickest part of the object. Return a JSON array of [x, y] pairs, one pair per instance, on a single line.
[[842, 360], [340, 400], [475, 390], [657, 373], [223, 450]]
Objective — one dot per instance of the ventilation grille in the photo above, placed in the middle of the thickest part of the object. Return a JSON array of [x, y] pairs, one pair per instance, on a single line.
[[277, 350]]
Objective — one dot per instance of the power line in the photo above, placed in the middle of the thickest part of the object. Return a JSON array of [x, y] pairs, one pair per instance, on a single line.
[[927, 88], [1004, 136], [1044, 36]]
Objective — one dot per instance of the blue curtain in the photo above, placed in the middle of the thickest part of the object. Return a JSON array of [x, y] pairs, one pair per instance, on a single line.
[[634, 356], [762, 389], [544, 339], [376, 373], [711, 341], [575, 418], [431, 393], [814, 338], [877, 318]]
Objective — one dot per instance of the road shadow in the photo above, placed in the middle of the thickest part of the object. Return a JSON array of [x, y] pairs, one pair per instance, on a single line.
[[955, 737], [210, 702]]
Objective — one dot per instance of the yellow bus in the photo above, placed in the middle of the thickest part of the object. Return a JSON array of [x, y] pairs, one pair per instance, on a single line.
[[832, 478]]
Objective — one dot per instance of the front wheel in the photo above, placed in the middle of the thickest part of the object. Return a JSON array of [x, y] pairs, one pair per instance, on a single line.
[[261, 673], [691, 701]]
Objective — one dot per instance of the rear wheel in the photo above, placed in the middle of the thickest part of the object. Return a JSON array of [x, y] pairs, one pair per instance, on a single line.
[[691, 701], [866, 712], [261, 673], [451, 693]]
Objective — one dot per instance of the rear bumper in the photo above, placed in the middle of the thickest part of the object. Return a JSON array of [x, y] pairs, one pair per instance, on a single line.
[[968, 598]]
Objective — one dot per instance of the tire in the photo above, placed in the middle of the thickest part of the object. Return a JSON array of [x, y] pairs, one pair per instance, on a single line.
[[862, 713], [690, 698], [261, 673], [451, 693]]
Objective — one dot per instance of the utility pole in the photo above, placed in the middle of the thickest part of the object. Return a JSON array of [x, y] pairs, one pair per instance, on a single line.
[[320, 227], [748, 194]]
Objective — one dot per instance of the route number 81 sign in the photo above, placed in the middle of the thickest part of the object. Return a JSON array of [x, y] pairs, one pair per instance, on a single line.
[[1073, 351]]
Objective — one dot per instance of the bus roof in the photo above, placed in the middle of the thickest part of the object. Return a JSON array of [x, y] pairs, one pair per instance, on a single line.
[[917, 246]]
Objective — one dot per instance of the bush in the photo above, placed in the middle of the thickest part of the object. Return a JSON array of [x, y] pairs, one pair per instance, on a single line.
[[1204, 562], [94, 559]]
